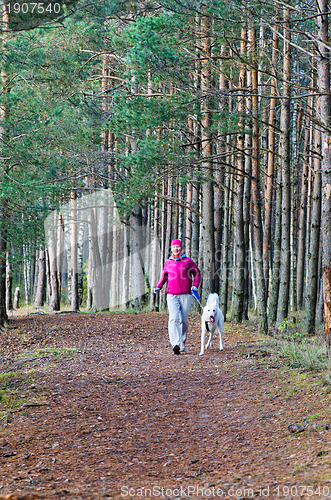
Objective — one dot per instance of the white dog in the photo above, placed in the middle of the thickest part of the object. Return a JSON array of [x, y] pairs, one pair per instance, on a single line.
[[212, 318]]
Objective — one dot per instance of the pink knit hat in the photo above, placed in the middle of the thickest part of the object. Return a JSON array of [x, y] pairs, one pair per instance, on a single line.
[[176, 242]]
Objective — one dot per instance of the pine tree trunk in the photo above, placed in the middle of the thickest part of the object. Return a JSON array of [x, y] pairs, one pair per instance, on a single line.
[[164, 252], [256, 199], [320, 308], [3, 209], [54, 298], [247, 193], [9, 283], [323, 66], [17, 296], [164, 249], [81, 240], [98, 299], [113, 291], [294, 205], [206, 152], [309, 190], [313, 254], [274, 292], [224, 292], [138, 271], [105, 216], [284, 286], [28, 272], [155, 264], [126, 267], [118, 257], [302, 223], [218, 217], [239, 238], [252, 263], [188, 223], [176, 210], [74, 253], [219, 176], [168, 234], [89, 293], [3, 248], [189, 192], [61, 255], [170, 212], [41, 283], [269, 190]]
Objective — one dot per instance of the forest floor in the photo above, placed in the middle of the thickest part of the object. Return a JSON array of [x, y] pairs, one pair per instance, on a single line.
[[98, 406]]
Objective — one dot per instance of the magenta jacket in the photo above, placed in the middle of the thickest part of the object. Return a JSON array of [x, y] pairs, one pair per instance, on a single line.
[[179, 273]]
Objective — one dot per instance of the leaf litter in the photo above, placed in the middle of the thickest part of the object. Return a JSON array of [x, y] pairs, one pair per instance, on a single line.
[[115, 414]]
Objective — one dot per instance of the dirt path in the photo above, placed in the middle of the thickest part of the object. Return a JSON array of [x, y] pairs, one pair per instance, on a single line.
[[120, 416]]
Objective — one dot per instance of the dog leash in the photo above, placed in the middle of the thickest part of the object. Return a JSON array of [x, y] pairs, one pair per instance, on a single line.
[[194, 294], [196, 297]]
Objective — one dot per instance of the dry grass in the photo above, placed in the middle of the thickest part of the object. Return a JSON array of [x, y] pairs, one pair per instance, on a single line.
[[306, 354]]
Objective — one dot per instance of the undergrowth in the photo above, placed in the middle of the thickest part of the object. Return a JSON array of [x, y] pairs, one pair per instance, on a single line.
[[49, 351], [304, 352]]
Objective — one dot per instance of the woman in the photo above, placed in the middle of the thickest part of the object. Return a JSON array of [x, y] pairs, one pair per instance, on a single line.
[[179, 271]]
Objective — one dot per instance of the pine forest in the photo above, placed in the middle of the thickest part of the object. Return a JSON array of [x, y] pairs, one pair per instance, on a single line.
[[126, 124]]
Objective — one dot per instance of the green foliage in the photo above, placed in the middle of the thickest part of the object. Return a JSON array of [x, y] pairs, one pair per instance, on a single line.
[[155, 45], [50, 351], [58, 105], [50, 130], [289, 330], [57, 112]]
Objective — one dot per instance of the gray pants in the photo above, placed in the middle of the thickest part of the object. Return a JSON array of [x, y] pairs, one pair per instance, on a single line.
[[179, 306]]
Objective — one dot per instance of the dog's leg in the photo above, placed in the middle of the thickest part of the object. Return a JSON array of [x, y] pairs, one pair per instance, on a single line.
[[220, 329], [203, 338], [210, 341]]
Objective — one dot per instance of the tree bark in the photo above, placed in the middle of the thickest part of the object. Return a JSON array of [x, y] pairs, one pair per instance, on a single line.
[[61, 255], [126, 267], [313, 254], [3, 248], [41, 283], [269, 190], [239, 238], [17, 295], [296, 120], [247, 193], [208, 285], [188, 224], [219, 183], [74, 253], [302, 222], [54, 303], [138, 270], [256, 199], [323, 68], [284, 285], [274, 291], [155, 264], [3, 208], [9, 283], [224, 292]]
